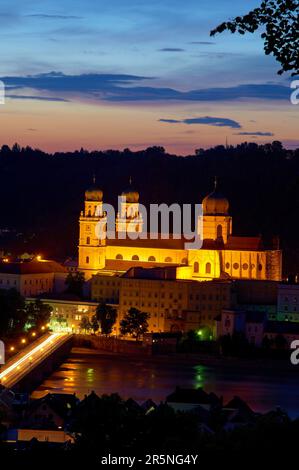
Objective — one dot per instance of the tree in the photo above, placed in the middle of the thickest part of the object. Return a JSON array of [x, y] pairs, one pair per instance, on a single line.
[[38, 313], [106, 315], [75, 283], [85, 325], [94, 324], [134, 323], [280, 22], [12, 312]]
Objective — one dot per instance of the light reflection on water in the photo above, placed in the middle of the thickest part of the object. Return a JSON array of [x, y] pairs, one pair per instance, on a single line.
[[141, 380]]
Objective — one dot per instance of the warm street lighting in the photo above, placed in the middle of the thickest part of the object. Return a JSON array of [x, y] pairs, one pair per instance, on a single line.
[[12, 348], [33, 334], [23, 340]]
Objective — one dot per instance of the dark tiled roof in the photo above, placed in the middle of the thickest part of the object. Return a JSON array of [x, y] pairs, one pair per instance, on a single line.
[[244, 243], [32, 267], [282, 327], [198, 396]]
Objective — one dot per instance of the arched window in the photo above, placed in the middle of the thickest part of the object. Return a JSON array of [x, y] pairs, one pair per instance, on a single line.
[[168, 259], [219, 231], [119, 257], [88, 241], [196, 267], [87, 259], [184, 261], [152, 258], [208, 268], [135, 258]]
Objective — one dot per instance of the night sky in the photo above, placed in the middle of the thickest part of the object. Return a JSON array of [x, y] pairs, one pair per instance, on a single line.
[[134, 73]]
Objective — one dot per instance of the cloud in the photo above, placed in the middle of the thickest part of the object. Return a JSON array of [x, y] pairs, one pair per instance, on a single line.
[[125, 87], [208, 120], [203, 43], [170, 121], [171, 49], [54, 17], [257, 134], [37, 98]]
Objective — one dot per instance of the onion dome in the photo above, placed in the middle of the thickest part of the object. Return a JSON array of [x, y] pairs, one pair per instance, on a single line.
[[215, 203], [94, 193], [131, 194]]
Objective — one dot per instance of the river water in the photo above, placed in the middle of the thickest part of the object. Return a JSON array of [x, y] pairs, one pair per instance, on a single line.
[[263, 389]]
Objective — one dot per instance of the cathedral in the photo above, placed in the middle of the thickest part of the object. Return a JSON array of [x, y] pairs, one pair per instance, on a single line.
[[222, 255]]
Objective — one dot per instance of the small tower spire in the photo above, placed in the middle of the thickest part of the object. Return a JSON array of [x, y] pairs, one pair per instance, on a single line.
[[215, 182]]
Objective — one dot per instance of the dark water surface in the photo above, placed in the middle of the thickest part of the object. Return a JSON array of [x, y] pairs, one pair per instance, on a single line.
[[142, 379]]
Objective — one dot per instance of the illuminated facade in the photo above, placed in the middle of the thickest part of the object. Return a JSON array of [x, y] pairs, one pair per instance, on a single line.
[[222, 256], [173, 304]]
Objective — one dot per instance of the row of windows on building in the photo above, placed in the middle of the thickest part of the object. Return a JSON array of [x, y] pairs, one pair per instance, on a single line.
[[114, 294], [170, 306], [26, 282], [168, 259]]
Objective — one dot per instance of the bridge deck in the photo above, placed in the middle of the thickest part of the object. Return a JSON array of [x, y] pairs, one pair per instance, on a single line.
[[25, 362]]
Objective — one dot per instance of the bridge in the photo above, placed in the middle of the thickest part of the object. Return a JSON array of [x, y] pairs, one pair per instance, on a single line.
[[36, 361]]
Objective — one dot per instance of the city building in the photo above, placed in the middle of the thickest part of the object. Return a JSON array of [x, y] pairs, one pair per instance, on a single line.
[[68, 311], [173, 304], [32, 278], [288, 302], [223, 255]]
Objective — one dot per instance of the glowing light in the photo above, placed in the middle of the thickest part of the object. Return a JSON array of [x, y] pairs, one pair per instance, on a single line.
[[12, 348], [39, 257], [16, 365], [23, 341], [33, 334]]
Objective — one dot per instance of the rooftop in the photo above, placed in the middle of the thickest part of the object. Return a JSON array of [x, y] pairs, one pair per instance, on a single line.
[[32, 267]]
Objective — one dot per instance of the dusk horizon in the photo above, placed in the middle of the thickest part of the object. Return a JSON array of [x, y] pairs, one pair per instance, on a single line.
[[126, 75]]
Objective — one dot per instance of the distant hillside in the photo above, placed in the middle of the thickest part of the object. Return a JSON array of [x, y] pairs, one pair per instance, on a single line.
[[43, 194]]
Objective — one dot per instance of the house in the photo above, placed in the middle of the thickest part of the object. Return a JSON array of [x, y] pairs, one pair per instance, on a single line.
[[187, 399], [50, 412]]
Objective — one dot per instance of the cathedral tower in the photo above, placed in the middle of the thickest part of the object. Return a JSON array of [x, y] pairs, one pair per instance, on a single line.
[[217, 224], [129, 218], [93, 224]]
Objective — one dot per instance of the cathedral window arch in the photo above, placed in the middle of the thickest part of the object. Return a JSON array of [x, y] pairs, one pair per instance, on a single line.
[[135, 258], [151, 258], [208, 268], [87, 259], [88, 241], [119, 256], [196, 267], [219, 231], [168, 259]]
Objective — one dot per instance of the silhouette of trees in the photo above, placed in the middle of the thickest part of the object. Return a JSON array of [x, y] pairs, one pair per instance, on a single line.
[[134, 323], [74, 283], [12, 312], [106, 316], [85, 325], [38, 313], [279, 20]]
